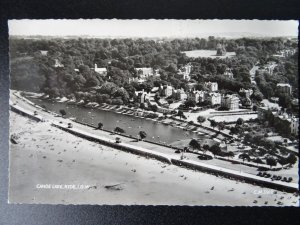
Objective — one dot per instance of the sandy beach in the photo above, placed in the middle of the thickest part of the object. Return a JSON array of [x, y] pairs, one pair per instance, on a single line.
[[46, 156]]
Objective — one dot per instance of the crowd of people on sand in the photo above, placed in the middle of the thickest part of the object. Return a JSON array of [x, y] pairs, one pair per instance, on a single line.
[[43, 144]]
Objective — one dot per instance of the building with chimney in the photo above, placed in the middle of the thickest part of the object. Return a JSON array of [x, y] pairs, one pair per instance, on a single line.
[[230, 102], [199, 96], [102, 71], [180, 94], [143, 97], [214, 98]]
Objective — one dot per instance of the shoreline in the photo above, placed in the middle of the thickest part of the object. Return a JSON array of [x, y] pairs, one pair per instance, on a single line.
[[140, 181], [224, 170]]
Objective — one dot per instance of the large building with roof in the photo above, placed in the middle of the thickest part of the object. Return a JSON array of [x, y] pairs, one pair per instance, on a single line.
[[284, 88], [230, 102]]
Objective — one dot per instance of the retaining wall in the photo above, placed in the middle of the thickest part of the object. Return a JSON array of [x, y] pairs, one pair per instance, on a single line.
[[24, 113], [235, 176], [111, 143]]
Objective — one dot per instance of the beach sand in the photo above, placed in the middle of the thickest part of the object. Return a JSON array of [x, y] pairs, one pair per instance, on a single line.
[[47, 155]]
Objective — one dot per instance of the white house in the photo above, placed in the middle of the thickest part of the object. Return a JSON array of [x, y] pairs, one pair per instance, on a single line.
[[168, 90], [43, 52], [101, 71], [294, 125], [185, 71], [247, 92], [230, 101], [212, 86], [143, 96], [145, 72], [199, 96], [214, 98], [284, 88], [228, 73], [58, 64], [180, 94]]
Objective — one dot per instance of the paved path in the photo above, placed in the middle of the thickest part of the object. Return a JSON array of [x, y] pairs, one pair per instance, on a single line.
[[144, 146]]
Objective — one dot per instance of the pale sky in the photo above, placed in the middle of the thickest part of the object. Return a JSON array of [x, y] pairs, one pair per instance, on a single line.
[[152, 28]]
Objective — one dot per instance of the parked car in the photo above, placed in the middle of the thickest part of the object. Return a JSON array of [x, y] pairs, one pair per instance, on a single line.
[[118, 140], [35, 113], [70, 125]]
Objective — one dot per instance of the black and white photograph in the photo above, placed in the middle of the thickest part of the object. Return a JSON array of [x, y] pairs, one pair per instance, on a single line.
[[154, 112]]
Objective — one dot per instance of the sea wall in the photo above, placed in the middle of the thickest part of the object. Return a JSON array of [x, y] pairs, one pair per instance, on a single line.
[[218, 171], [236, 176], [23, 112], [113, 144]]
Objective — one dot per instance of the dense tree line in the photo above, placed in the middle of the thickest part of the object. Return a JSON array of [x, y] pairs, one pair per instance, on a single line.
[[121, 56]]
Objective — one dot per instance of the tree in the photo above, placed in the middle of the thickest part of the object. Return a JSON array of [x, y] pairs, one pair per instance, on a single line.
[[291, 159], [221, 126], [191, 122], [190, 103], [153, 108], [205, 148], [201, 119], [92, 82], [143, 134], [239, 121], [282, 161], [142, 106], [62, 112], [194, 144], [215, 150], [230, 154], [271, 161], [100, 126], [119, 130], [213, 124], [244, 156], [180, 114], [258, 161], [285, 101]]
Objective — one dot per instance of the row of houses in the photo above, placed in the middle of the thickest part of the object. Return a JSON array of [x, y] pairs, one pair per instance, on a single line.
[[230, 102], [285, 53]]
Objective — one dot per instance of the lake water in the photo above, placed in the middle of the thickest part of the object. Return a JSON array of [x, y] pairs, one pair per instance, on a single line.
[[132, 125], [207, 54]]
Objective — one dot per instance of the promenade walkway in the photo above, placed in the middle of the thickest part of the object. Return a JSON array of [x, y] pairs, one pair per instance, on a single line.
[[144, 148]]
